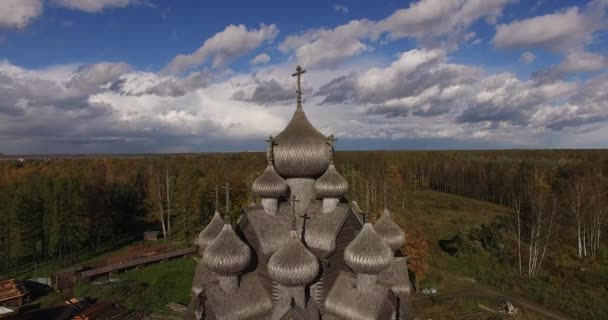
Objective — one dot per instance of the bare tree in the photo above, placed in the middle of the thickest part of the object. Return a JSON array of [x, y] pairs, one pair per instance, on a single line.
[[544, 208], [168, 204], [578, 204], [161, 210], [517, 217]]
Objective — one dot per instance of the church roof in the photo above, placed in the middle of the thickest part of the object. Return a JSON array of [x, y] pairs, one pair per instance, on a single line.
[[270, 184], [331, 184], [293, 265], [211, 231], [249, 301], [389, 231], [294, 312], [396, 276], [345, 302], [301, 150], [227, 254], [202, 276], [367, 253], [320, 233]]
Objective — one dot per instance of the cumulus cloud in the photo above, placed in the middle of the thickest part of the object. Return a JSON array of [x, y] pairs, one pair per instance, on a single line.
[[110, 105], [527, 57], [582, 61], [340, 8], [587, 106], [224, 46], [261, 58], [18, 13], [425, 20], [505, 98], [326, 47], [93, 6], [420, 81], [559, 31], [575, 62], [440, 17]]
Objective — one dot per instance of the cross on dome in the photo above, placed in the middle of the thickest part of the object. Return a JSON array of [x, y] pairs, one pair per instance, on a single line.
[[298, 73]]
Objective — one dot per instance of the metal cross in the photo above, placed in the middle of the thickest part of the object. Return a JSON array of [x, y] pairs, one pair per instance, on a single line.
[[293, 201], [330, 141], [385, 196], [217, 199], [298, 73], [269, 150], [227, 217], [305, 217]]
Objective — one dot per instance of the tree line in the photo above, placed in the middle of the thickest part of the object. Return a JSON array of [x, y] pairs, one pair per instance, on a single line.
[[56, 212]]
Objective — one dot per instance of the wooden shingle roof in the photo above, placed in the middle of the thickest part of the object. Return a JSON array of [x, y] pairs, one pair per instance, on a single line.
[[11, 289]]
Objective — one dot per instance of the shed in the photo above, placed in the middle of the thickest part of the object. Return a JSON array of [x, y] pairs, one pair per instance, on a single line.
[[151, 235], [12, 293]]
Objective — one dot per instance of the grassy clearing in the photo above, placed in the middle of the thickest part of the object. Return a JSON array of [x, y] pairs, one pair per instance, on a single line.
[[563, 287], [466, 308], [148, 288]]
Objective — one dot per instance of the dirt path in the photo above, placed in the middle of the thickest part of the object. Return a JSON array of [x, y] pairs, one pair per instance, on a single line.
[[475, 290]]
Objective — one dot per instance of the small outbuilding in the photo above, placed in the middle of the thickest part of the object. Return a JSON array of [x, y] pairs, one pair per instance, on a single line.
[[12, 293]]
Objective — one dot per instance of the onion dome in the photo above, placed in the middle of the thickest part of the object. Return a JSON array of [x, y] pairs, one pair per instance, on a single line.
[[389, 231], [270, 184], [367, 253], [331, 184], [210, 232], [301, 150], [227, 254], [293, 264]]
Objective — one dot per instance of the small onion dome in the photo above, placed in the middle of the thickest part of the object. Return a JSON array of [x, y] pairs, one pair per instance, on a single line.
[[227, 254], [293, 264], [367, 253], [300, 150], [210, 232], [270, 184], [331, 184], [389, 231]]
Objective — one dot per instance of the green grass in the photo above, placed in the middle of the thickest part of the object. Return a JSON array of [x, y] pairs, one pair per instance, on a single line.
[[148, 288], [441, 216], [581, 295]]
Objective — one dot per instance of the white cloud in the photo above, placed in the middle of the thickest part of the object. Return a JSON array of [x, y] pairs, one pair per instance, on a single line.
[[261, 58], [340, 8], [582, 61], [93, 6], [428, 18], [446, 21], [326, 47], [420, 81], [109, 105], [560, 31], [18, 13], [527, 57], [575, 62], [224, 46]]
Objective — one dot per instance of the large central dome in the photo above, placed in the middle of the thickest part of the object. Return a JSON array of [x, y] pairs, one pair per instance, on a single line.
[[301, 151]]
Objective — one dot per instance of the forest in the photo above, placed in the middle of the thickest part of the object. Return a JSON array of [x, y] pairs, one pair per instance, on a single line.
[[57, 211]]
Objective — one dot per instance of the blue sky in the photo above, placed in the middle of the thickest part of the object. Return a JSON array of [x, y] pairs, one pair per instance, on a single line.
[[189, 76]]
